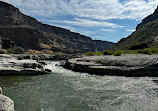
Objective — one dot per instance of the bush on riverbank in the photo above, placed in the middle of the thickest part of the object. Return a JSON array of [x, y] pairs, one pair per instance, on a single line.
[[148, 51], [16, 50], [19, 50], [139, 46], [108, 52], [2, 52], [10, 51], [118, 53], [94, 53]]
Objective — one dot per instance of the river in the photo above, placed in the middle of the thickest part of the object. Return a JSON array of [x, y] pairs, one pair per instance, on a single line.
[[65, 90]]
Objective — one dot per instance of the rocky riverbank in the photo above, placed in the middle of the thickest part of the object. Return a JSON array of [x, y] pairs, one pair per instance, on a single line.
[[125, 65], [44, 56], [28, 64], [6, 104], [10, 65]]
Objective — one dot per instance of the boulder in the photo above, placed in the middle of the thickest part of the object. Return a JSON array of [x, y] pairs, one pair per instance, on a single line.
[[6, 104], [30, 65], [30, 71], [0, 90], [48, 71]]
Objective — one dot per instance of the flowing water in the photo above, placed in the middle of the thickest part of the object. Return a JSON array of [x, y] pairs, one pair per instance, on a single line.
[[64, 90]]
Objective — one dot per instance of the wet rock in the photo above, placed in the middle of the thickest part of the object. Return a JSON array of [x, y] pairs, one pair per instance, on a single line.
[[42, 62], [0, 90], [48, 71], [9, 71], [30, 65], [30, 71], [12, 66], [27, 57], [20, 57], [6, 104]]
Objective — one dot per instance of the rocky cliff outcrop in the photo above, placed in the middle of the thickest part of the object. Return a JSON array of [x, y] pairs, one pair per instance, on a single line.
[[22, 36], [6, 43], [148, 19], [27, 32], [147, 32]]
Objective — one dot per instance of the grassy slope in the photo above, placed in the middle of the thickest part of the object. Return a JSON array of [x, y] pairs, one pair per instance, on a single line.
[[147, 34]]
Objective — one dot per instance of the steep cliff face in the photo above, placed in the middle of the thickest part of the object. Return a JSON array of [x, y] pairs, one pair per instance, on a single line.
[[148, 19], [24, 37], [27, 32], [147, 32]]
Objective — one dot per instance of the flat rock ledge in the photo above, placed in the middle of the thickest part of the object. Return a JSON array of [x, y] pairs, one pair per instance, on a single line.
[[9, 65], [125, 65], [6, 104], [44, 56]]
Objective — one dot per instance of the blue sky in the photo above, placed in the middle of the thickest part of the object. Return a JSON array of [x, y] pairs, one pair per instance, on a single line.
[[108, 20]]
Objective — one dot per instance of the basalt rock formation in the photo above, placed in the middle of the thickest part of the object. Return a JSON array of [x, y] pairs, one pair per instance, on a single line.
[[28, 33], [6, 43], [11, 65], [148, 19], [125, 65]]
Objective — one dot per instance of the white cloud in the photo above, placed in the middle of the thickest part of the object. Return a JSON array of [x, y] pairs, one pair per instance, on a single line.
[[96, 9], [73, 29], [108, 30], [100, 37], [130, 30], [91, 16], [85, 23]]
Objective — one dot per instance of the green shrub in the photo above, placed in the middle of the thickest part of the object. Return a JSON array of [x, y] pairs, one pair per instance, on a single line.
[[106, 52], [98, 53], [19, 50], [10, 51], [139, 46], [148, 51], [129, 52], [118, 53], [90, 54], [2, 52], [94, 53]]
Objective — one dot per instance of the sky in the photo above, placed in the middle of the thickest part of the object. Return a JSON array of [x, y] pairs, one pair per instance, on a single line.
[[108, 20]]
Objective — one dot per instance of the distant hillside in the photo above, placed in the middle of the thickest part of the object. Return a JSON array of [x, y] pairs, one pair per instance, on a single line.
[[28, 33], [146, 32]]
